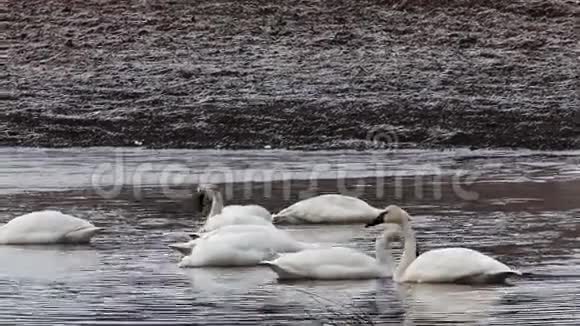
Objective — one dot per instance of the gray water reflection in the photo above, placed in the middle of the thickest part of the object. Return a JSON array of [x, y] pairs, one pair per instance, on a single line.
[[128, 274], [58, 263], [28, 169]]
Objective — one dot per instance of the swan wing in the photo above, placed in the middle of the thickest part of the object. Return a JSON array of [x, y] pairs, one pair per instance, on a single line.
[[46, 227], [250, 210], [218, 221], [235, 228], [239, 245], [329, 208], [237, 249], [329, 263], [452, 265], [269, 238], [255, 236], [224, 255]]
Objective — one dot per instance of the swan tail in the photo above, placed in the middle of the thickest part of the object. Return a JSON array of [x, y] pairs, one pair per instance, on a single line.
[[183, 248], [501, 278], [195, 235], [517, 273], [494, 278], [269, 264], [283, 218], [83, 235], [282, 274], [279, 219]]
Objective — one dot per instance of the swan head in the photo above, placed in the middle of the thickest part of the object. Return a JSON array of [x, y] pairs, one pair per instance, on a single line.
[[207, 188], [203, 196], [392, 214]]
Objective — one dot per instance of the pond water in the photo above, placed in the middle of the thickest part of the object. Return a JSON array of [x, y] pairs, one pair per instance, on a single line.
[[521, 207]]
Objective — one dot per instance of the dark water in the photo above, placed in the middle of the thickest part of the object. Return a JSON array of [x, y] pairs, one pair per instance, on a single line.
[[520, 207]]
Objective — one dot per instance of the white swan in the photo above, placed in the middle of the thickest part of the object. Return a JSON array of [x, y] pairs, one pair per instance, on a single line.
[[336, 263], [448, 265], [220, 216], [250, 210], [240, 245], [212, 194], [219, 221], [185, 247], [46, 227], [330, 208]]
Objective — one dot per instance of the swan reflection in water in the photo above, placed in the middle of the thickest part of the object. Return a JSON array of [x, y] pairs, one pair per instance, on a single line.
[[303, 300], [382, 300], [385, 302], [435, 303], [219, 280], [48, 263]]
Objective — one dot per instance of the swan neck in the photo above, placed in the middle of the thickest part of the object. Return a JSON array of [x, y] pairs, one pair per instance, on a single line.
[[217, 203], [409, 251]]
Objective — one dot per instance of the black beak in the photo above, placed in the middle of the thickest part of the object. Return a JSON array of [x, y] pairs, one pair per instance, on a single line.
[[378, 220], [198, 201]]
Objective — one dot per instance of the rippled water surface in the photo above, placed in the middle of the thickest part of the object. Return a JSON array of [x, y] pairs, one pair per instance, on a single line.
[[521, 207]]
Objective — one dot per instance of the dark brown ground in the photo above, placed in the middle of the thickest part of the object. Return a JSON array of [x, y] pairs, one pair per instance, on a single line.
[[290, 74]]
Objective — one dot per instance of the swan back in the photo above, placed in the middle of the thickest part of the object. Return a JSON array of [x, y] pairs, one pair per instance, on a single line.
[[219, 221], [326, 264], [227, 250], [328, 208], [240, 245], [238, 228], [255, 236], [251, 210], [208, 200], [46, 227], [450, 265]]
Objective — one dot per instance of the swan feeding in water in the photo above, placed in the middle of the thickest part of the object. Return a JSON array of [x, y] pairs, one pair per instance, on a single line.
[[46, 227], [240, 245], [447, 265], [185, 247], [338, 263], [326, 209], [220, 216]]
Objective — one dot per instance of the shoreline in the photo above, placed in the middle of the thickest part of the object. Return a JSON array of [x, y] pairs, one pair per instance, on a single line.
[[294, 75]]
